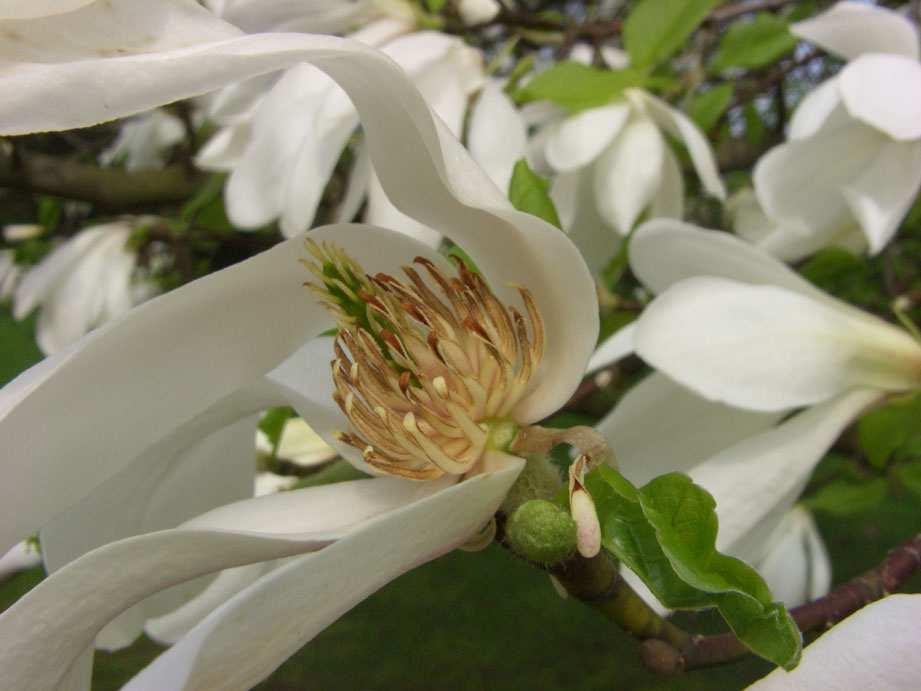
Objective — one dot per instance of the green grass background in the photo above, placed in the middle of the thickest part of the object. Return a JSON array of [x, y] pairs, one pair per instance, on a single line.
[[483, 621]]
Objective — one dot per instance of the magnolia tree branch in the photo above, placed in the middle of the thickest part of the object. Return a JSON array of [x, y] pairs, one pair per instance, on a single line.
[[665, 657], [110, 188]]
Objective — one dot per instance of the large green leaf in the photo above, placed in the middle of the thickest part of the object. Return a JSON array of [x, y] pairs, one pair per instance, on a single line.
[[753, 44], [846, 497], [666, 533], [655, 29], [576, 87], [529, 192]]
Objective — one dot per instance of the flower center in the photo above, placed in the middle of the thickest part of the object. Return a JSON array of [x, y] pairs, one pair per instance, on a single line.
[[425, 368]]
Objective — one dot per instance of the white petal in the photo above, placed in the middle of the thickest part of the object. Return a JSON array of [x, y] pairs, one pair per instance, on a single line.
[[668, 201], [763, 475], [884, 91], [497, 136], [874, 649], [20, 557], [850, 29], [300, 444], [882, 195], [67, 609], [87, 33], [680, 126], [820, 109], [574, 196], [225, 149], [285, 122], [235, 103], [660, 427], [800, 183], [613, 348], [796, 564], [768, 348], [478, 11], [17, 9], [226, 331], [318, 16], [580, 139], [356, 187], [663, 252], [628, 174], [293, 604]]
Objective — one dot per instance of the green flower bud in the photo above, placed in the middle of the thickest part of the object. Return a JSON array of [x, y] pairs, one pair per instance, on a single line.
[[541, 532]]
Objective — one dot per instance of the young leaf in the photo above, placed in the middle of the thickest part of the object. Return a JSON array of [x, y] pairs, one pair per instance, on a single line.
[[707, 108], [666, 533], [529, 192], [892, 431], [576, 87], [754, 43], [655, 29]]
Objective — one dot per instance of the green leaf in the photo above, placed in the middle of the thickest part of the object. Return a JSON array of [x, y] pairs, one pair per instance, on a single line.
[[576, 87], [848, 497], [753, 44], [910, 476], [708, 107], [893, 431], [666, 533], [655, 29], [435, 6], [529, 192]]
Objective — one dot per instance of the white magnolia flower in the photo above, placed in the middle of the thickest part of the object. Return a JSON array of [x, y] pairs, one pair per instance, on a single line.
[[298, 444], [873, 649], [181, 377], [854, 152], [613, 164], [740, 340], [282, 151], [497, 135], [478, 11], [144, 141], [85, 282]]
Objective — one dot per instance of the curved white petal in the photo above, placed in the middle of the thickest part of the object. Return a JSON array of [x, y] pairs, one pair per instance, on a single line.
[[821, 108], [882, 195], [873, 649], [796, 564], [357, 186], [663, 252], [884, 91], [801, 183], [66, 610], [850, 29], [579, 139], [573, 194], [668, 201], [660, 427], [235, 103], [381, 212], [628, 174], [756, 481], [291, 605], [768, 348], [225, 332], [497, 136], [680, 126], [319, 16], [615, 347], [224, 151]]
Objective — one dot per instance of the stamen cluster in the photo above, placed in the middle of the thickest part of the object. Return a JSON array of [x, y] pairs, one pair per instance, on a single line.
[[423, 364]]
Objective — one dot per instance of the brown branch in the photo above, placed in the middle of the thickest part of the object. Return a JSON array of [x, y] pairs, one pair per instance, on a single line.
[[110, 188], [706, 651]]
